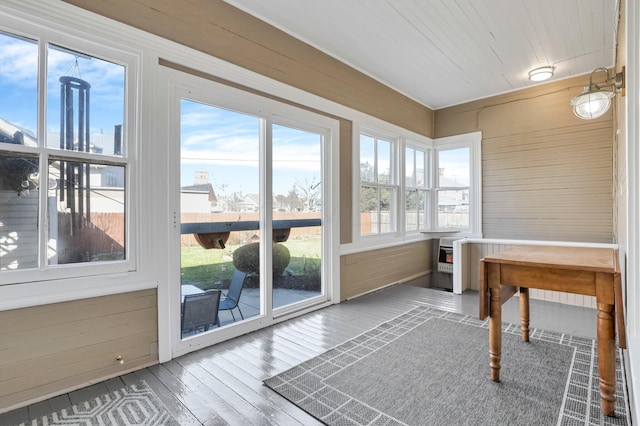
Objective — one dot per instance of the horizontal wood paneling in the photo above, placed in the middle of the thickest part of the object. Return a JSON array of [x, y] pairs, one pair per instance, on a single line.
[[546, 175], [223, 384], [474, 252], [367, 271], [50, 349]]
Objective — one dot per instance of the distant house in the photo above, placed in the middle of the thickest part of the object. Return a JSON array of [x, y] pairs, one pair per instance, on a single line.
[[198, 198]]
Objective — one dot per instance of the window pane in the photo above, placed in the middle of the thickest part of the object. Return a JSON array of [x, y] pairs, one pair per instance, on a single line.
[[384, 162], [368, 210], [85, 103], [416, 210], [367, 158], [409, 167], [453, 167], [412, 210], [18, 90], [19, 182], [220, 186], [453, 209], [387, 200], [86, 212], [297, 168]]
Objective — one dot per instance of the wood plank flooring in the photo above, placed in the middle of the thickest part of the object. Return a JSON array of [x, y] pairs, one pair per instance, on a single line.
[[222, 384]]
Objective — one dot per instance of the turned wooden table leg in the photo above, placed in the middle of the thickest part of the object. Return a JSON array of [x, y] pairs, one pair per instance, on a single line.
[[524, 313], [607, 357], [495, 322]]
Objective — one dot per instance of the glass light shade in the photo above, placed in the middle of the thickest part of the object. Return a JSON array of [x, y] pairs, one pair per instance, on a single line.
[[590, 105], [541, 74]]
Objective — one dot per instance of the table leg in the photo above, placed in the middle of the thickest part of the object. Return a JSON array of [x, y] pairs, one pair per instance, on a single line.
[[607, 357], [495, 330], [524, 313]]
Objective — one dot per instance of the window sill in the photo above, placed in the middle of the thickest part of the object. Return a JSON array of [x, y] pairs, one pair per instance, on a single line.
[[17, 296], [426, 231]]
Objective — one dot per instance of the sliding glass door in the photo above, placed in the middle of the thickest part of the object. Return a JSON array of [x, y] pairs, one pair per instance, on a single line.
[[219, 213], [251, 202], [297, 215]]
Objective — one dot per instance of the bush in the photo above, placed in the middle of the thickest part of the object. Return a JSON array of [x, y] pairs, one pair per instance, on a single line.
[[247, 258]]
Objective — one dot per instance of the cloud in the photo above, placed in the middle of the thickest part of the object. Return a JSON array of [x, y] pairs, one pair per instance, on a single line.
[[19, 64], [217, 136]]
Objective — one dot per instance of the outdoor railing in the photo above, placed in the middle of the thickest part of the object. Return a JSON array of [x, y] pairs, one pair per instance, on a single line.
[[215, 234]]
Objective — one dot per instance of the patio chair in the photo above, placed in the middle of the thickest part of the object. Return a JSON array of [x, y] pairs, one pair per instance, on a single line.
[[200, 311], [231, 299]]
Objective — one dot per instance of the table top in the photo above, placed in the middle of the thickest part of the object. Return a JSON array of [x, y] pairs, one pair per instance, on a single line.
[[558, 257]]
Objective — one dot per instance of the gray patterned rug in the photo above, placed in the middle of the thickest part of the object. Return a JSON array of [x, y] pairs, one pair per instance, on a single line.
[[430, 367], [131, 405]]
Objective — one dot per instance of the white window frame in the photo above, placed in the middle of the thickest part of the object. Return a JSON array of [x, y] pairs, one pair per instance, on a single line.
[[394, 185], [270, 112], [404, 139], [48, 282], [472, 141], [427, 188]]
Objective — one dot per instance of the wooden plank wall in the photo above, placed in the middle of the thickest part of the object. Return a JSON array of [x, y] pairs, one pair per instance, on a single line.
[[473, 252], [49, 349], [367, 271], [546, 175], [18, 224]]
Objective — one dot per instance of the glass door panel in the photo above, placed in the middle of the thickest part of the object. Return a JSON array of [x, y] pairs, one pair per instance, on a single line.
[[297, 212], [220, 216]]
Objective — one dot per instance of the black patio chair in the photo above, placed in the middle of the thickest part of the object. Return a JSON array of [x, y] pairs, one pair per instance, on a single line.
[[231, 299], [200, 311]]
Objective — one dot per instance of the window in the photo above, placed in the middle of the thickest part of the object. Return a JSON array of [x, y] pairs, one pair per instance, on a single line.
[[64, 162], [457, 189], [378, 185], [417, 194], [440, 191], [453, 188]]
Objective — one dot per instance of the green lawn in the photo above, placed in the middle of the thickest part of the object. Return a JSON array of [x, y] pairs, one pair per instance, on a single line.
[[203, 268]]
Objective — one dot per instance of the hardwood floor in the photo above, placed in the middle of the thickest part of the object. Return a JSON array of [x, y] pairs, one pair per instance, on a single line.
[[222, 384]]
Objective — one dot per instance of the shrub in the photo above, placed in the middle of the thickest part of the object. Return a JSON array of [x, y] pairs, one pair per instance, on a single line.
[[247, 258]]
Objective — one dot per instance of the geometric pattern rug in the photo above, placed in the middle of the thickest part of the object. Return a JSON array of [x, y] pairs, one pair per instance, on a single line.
[[336, 386], [132, 405]]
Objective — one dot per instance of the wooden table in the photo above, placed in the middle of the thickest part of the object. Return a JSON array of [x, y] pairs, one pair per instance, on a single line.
[[579, 270]]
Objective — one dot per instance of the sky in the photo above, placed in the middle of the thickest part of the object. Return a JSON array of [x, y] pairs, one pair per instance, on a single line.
[[18, 85], [454, 162], [221, 142], [226, 144]]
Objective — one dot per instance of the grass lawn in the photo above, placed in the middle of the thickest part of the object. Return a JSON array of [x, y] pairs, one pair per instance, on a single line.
[[203, 268]]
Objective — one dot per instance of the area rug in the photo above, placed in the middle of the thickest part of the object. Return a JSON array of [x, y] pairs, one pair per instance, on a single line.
[[430, 367], [132, 405]]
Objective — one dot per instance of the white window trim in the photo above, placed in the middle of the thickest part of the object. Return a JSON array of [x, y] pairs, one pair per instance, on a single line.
[[428, 188], [395, 184], [473, 141], [405, 138], [48, 284], [382, 129], [270, 112]]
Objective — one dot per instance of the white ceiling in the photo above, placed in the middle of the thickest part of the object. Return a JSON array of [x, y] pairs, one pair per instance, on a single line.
[[447, 52]]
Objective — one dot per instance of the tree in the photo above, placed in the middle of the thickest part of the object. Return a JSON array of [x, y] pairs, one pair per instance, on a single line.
[[366, 172], [294, 201], [310, 191], [372, 198]]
